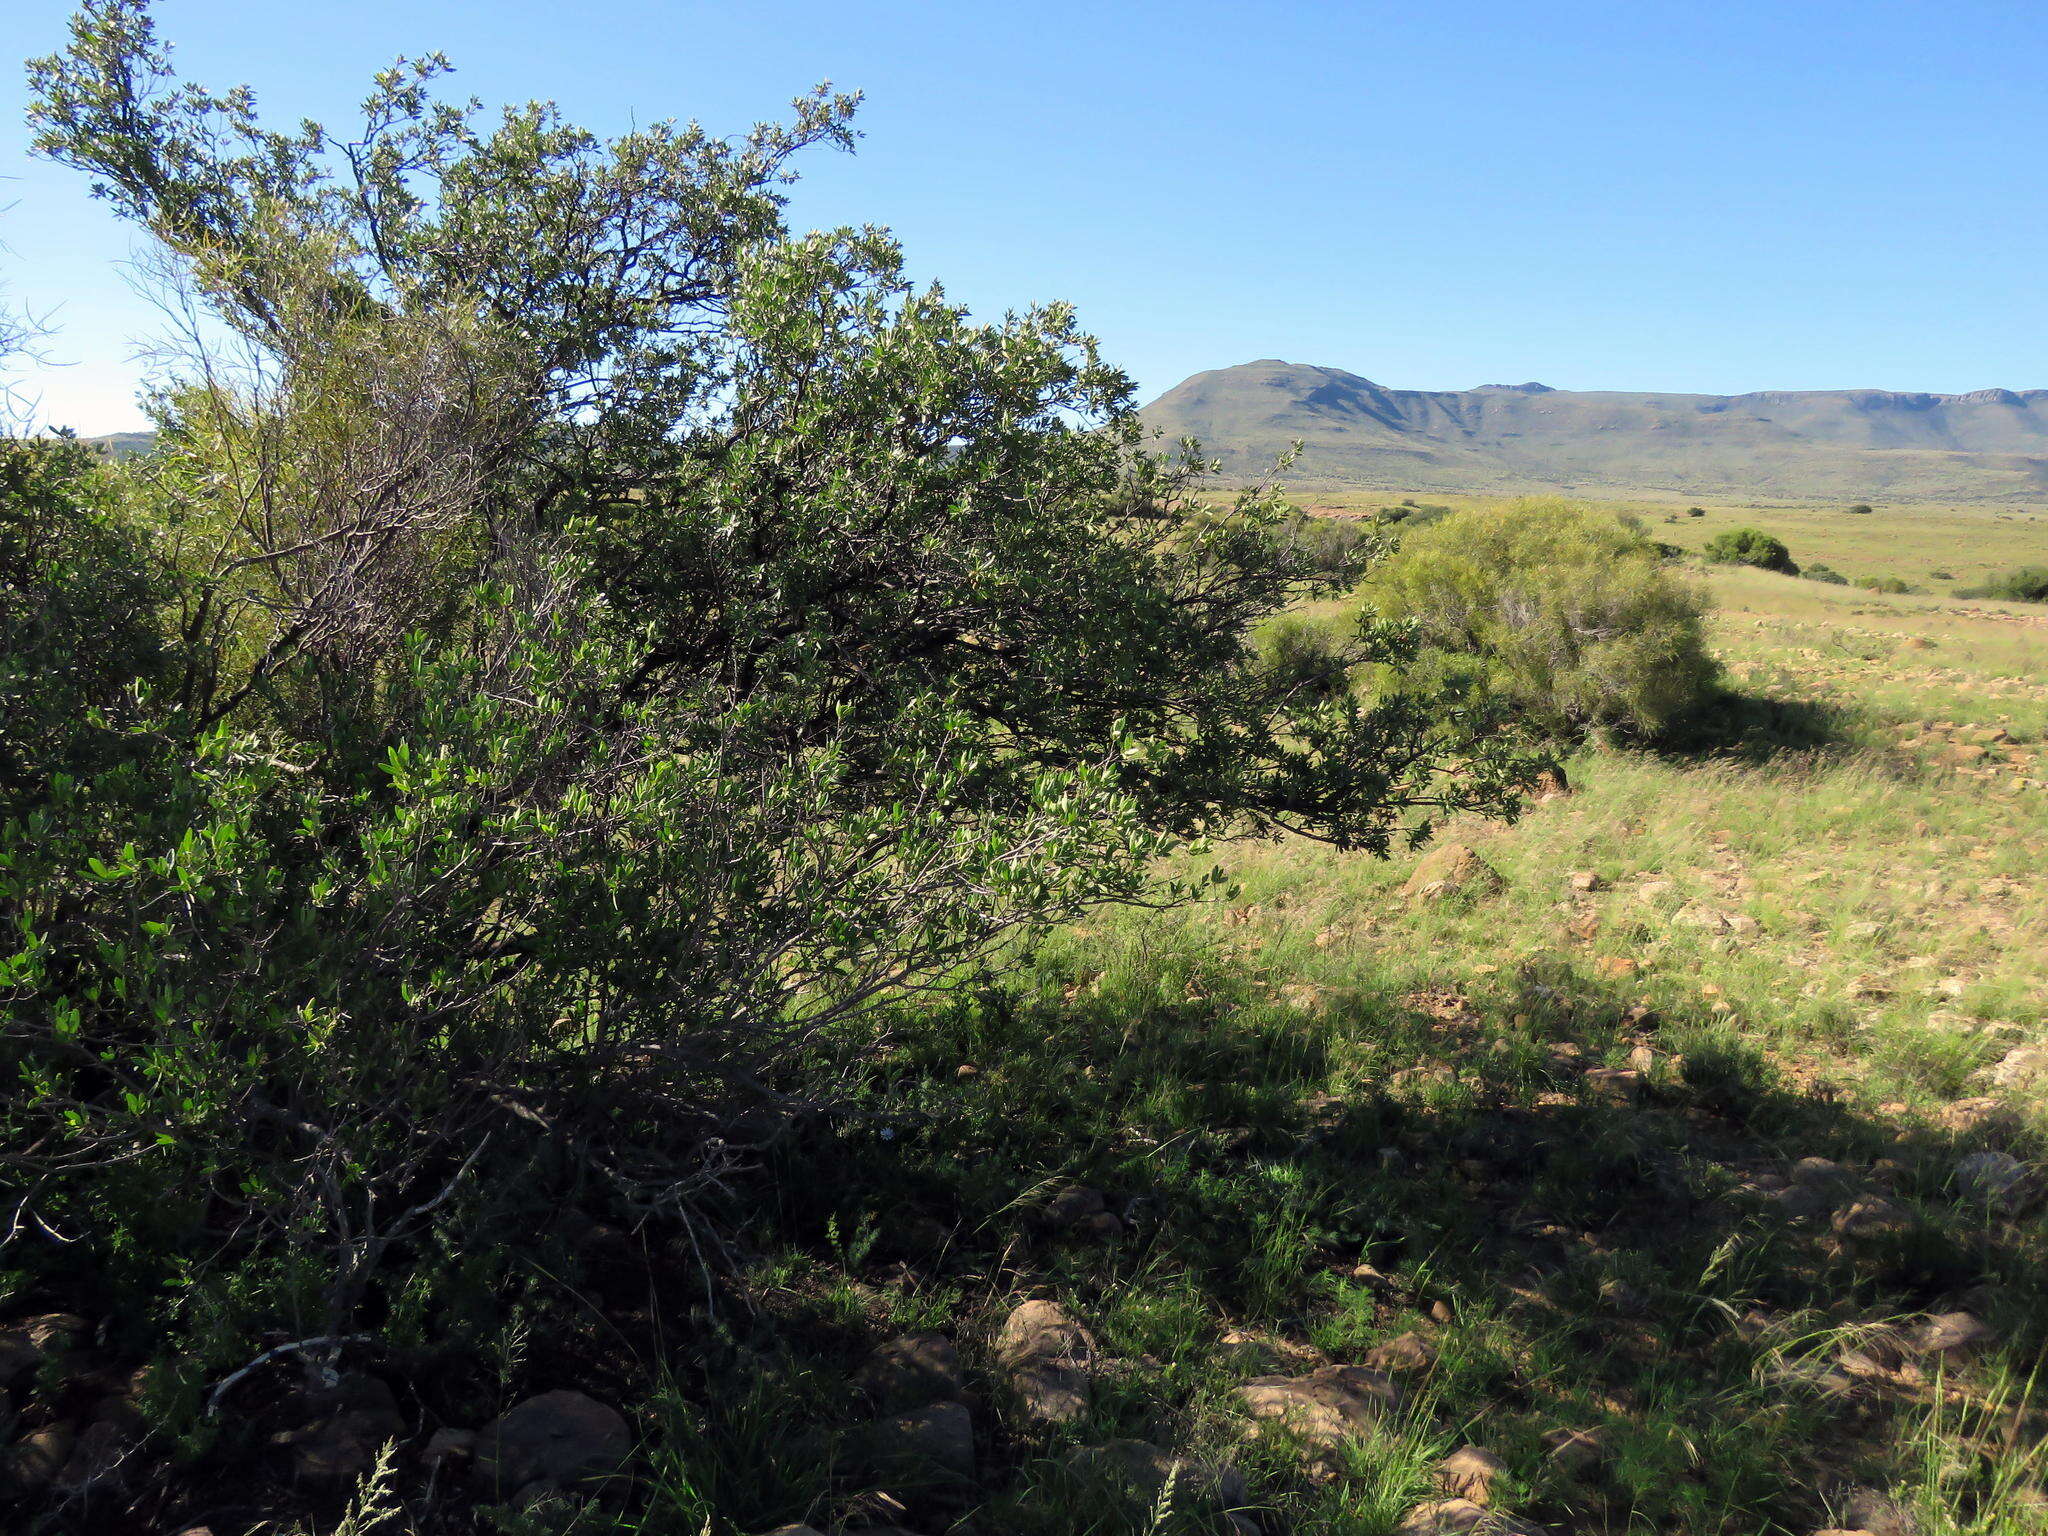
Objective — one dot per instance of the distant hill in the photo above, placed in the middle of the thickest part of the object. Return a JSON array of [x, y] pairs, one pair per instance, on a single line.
[[123, 445], [1847, 444]]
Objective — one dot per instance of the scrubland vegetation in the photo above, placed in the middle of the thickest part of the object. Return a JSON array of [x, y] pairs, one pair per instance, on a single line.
[[652, 883]]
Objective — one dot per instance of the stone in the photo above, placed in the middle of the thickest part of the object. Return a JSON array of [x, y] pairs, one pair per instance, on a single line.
[[1407, 1352], [1577, 1451], [98, 1459], [562, 1437], [1614, 1085], [1618, 1295], [1102, 1227], [1325, 1407], [1449, 870], [1995, 1179], [1550, 784], [449, 1445], [2021, 1068], [909, 1372], [1048, 1360], [1462, 1517], [1586, 880], [1871, 1217], [1072, 1205], [1951, 1335], [1468, 1473], [26, 1344], [353, 1421], [1867, 1510], [32, 1463], [937, 1441], [1819, 1171], [1144, 1469]]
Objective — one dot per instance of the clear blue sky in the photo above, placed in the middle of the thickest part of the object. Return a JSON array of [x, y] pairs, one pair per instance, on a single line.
[[1716, 197]]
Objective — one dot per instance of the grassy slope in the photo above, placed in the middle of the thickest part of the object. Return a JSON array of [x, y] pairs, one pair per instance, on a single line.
[[1813, 948]]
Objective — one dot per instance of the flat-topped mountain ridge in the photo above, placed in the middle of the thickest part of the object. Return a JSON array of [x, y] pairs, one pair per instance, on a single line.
[[1986, 445]]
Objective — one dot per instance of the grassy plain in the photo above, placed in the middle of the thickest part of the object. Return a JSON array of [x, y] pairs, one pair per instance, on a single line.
[[1643, 1170]]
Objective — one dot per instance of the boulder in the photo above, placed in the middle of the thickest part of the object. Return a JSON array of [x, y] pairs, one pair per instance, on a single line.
[[1871, 1217], [1324, 1408], [26, 1344], [1462, 1517], [1406, 1352], [1577, 1451], [1469, 1473], [1452, 869], [934, 1443], [1995, 1179], [1048, 1360], [352, 1421], [560, 1437], [909, 1372], [32, 1463], [1951, 1335]]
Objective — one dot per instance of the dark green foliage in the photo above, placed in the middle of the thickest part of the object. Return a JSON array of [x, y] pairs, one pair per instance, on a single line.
[[1824, 573], [2025, 584], [1695, 511], [1863, 509], [1893, 585], [614, 648], [1750, 546]]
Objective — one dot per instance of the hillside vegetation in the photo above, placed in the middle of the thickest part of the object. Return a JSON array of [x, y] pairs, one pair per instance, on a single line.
[[651, 883], [1847, 445]]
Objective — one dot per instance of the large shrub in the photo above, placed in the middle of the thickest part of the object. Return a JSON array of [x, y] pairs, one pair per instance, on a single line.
[[594, 648], [1569, 613], [2023, 584], [1751, 546]]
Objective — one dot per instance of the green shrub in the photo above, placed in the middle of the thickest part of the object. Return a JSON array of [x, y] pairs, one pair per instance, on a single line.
[[1307, 656], [1893, 585], [1750, 546], [1568, 613], [1695, 511], [1824, 573], [2026, 584], [1863, 509], [664, 640]]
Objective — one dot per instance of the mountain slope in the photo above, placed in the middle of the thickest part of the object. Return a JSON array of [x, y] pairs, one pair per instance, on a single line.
[[1855, 444]]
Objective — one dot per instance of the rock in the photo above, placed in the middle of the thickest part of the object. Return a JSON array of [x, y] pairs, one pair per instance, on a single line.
[[909, 1372], [1048, 1360], [1468, 1473], [1550, 784], [1102, 1227], [1865, 1509], [1820, 1171], [449, 1445], [1325, 1407], [1871, 1217], [1587, 880], [1462, 1517], [32, 1463], [562, 1437], [1577, 1451], [2020, 1068], [1451, 869], [1616, 967], [26, 1344], [1996, 1179], [938, 1440], [1408, 1352], [1072, 1205], [1619, 1296], [1951, 1335], [353, 1421], [98, 1459], [1144, 1468], [1614, 1085], [1268, 1349]]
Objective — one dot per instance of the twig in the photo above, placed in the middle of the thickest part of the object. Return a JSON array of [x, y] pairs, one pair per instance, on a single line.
[[325, 1340]]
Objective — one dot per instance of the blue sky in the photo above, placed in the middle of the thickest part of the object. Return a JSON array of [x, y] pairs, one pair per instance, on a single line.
[[1715, 197]]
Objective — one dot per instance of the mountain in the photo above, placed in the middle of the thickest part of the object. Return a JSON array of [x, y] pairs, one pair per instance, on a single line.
[[1846, 444], [123, 445]]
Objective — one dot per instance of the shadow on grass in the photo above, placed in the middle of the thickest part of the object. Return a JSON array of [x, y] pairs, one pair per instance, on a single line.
[[1645, 1259], [1757, 728]]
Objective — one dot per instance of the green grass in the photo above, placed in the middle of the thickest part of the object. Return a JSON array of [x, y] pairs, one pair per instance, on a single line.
[[1813, 942]]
